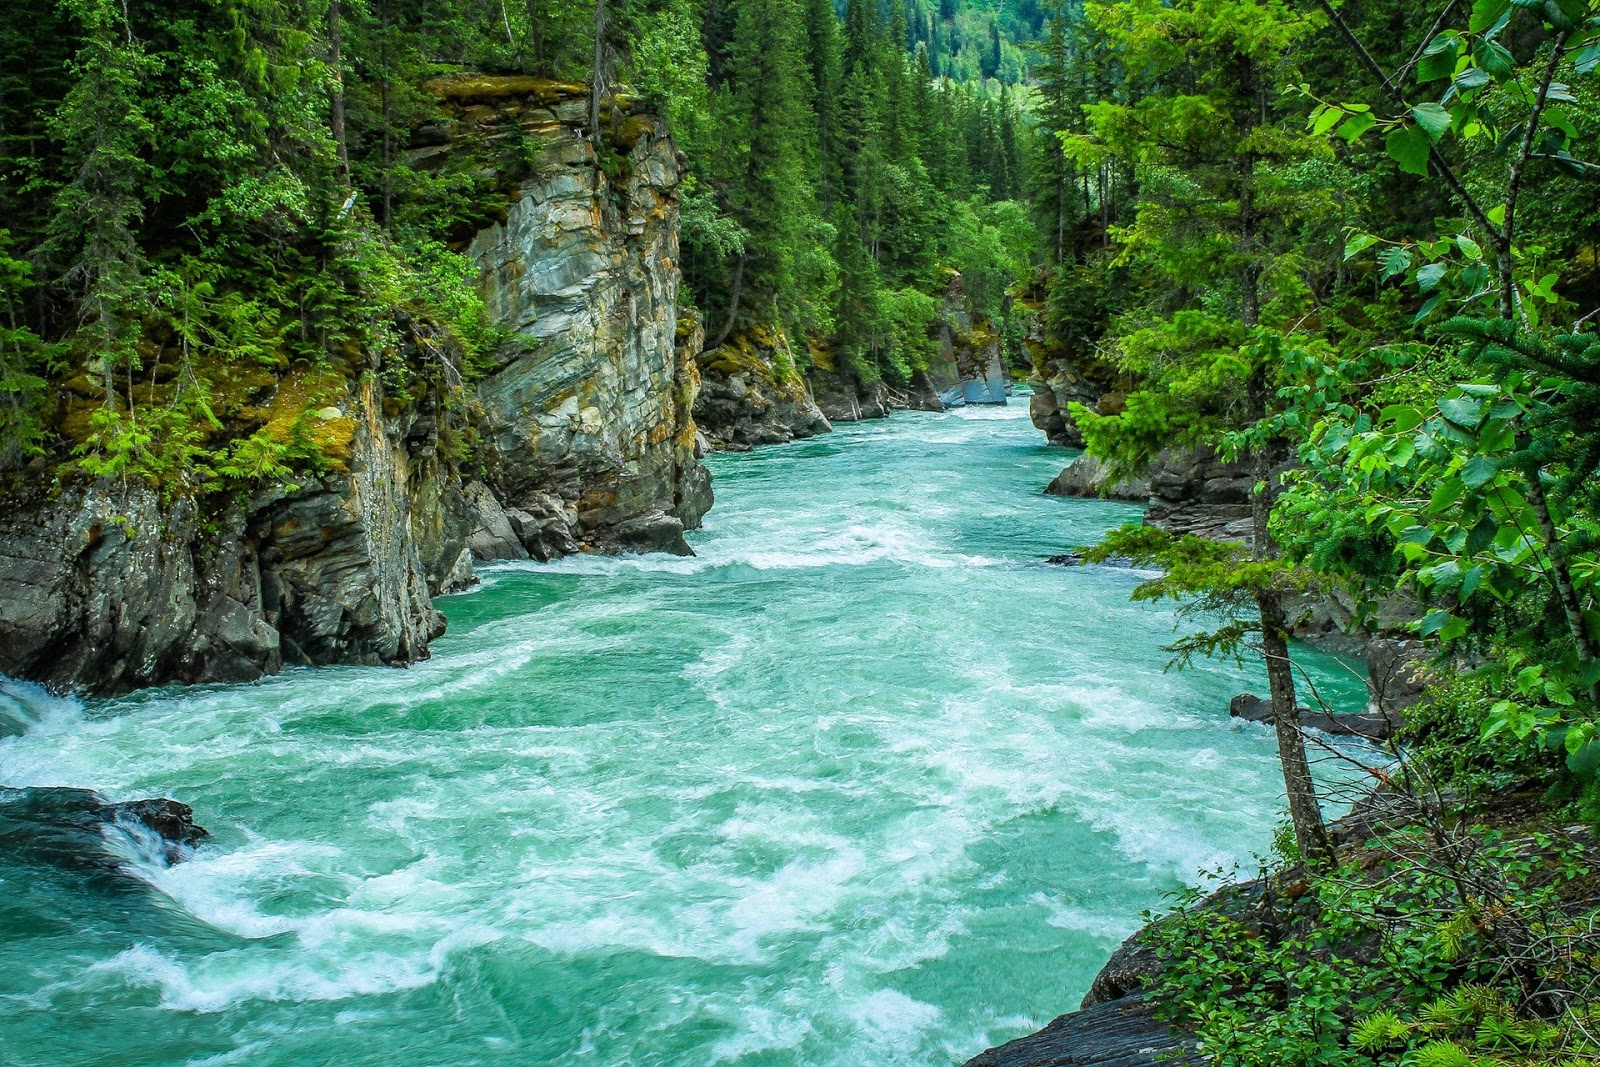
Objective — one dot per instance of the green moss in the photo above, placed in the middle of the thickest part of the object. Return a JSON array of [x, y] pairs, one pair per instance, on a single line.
[[490, 88]]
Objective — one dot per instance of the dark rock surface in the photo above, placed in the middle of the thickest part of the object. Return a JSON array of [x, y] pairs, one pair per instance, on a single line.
[[106, 588], [1117, 1033], [67, 828], [843, 396], [1059, 379], [1371, 725], [751, 395], [1195, 491]]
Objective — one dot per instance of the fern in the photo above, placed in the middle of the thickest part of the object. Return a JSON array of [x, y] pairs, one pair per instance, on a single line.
[[1378, 1031], [1442, 1054]]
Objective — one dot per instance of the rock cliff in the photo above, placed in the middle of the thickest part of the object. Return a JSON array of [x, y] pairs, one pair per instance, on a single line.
[[1058, 379], [106, 588], [754, 394], [588, 425], [584, 436]]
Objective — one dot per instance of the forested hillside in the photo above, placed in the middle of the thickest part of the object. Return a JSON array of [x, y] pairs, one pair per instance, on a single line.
[[225, 184]]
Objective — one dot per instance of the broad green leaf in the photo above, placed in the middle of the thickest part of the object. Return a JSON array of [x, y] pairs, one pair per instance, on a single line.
[[1356, 125], [1485, 13], [1445, 41], [1494, 58], [1357, 243], [1461, 410], [1441, 622], [1394, 260], [1482, 535], [1429, 276], [1405, 418], [1432, 67], [1408, 146], [1325, 119], [1445, 495], [1564, 15], [1433, 118], [1586, 761], [1497, 435], [1478, 471], [1469, 248]]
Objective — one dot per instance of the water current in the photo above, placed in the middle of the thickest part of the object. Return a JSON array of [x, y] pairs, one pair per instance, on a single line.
[[865, 782]]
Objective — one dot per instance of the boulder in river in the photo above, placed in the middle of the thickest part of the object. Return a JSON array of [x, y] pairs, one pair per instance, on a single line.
[[76, 828], [1372, 725]]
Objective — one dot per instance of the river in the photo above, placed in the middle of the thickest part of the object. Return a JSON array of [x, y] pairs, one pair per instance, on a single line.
[[865, 782]]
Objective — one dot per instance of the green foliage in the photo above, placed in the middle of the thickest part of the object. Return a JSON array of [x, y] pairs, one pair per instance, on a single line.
[[1402, 955]]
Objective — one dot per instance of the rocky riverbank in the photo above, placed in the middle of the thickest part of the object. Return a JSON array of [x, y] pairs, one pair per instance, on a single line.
[[580, 437], [1118, 1025]]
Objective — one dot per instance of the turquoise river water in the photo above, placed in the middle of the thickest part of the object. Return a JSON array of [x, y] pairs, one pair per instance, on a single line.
[[864, 783]]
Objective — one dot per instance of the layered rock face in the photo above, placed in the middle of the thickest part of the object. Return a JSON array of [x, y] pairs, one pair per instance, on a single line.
[[588, 441], [588, 426], [753, 394], [1060, 379], [105, 588], [968, 368]]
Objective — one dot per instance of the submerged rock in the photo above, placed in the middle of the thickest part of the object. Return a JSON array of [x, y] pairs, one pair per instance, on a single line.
[[69, 828]]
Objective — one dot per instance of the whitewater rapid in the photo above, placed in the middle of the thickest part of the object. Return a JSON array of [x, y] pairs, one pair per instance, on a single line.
[[864, 781]]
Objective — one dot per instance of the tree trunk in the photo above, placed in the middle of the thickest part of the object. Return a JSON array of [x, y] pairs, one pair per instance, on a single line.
[[336, 104], [1305, 813], [733, 302]]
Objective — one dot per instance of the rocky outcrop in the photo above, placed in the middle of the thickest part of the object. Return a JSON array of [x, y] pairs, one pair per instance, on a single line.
[[588, 425], [1372, 725], [583, 432], [968, 367], [1119, 1033], [106, 588], [1187, 491], [1059, 379], [1088, 476], [1195, 491], [843, 395], [752, 393]]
